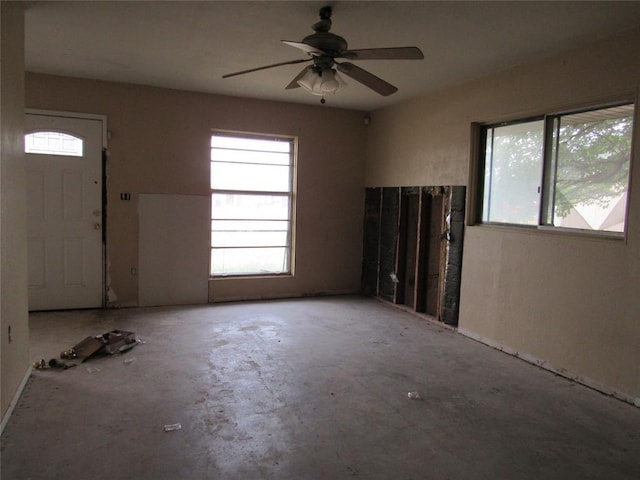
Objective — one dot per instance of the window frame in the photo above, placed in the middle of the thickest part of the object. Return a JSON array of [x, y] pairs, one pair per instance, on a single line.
[[482, 129], [290, 194], [547, 179]]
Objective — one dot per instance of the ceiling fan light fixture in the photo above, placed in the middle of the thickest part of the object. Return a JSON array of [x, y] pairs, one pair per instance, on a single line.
[[309, 81], [331, 81], [321, 82]]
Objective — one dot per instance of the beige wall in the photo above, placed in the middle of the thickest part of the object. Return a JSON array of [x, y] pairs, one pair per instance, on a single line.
[[568, 301], [13, 261], [160, 144]]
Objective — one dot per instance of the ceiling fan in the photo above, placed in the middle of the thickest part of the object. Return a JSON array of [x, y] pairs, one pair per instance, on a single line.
[[323, 48]]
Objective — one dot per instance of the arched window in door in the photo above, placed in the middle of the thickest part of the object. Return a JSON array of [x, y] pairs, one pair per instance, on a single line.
[[53, 143]]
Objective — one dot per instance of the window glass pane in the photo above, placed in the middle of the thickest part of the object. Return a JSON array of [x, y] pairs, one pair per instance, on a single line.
[[249, 225], [244, 156], [239, 261], [250, 233], [53, 143], [592, 176], [241, 176], [513, 169], [259, 207], [249, 239], [244, 143]]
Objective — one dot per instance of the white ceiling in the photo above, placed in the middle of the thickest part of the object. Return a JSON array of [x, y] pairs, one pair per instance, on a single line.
[[189, 45]]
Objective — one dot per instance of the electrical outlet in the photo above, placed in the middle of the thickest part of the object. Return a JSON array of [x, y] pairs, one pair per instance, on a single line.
[[125, 196]]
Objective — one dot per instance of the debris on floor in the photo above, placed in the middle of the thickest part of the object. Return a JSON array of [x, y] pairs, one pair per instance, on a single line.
[[116, 341], [40, 365], [414, 395], [173, 427], [83, 350], [53, 363]]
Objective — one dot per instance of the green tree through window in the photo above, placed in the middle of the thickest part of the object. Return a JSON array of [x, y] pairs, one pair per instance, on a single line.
[[593, 159]]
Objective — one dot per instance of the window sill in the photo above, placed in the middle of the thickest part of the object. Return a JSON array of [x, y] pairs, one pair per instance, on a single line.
[[257, 276], [549, 230]]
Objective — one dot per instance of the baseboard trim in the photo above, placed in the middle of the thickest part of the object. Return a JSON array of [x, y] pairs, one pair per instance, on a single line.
[[15, 399], [281, 296], [586, 381]]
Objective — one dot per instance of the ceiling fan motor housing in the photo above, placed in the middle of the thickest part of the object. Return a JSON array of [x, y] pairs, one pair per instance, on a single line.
[[327, 42]]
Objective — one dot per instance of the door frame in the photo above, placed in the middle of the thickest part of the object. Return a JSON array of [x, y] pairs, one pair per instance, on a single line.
[[104, 154]]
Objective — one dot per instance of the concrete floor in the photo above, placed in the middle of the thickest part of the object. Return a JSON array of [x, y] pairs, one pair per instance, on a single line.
[[304, 389]]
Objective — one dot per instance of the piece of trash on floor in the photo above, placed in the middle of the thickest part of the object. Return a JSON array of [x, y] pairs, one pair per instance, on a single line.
[[414, 395], [115, 341], [118, 341], [40, 364], [93, 369], [83, 350], [173, 427], [129, 361], [53, 363]]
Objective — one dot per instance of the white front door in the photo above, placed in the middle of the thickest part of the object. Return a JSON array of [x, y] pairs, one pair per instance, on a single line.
[[64, 211]]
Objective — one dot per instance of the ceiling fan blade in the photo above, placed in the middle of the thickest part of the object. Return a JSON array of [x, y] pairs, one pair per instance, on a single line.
[[294, 83], [291, 62], [368, 79], [305, 47], [397, 53]]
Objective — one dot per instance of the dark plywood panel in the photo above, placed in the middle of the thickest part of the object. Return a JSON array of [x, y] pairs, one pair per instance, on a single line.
[[408, 254], [434, 256], [388, 243], [371, 241], [451, 300]]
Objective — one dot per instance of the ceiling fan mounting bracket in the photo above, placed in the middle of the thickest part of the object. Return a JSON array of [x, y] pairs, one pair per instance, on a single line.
[[324, 25], [325, 12]]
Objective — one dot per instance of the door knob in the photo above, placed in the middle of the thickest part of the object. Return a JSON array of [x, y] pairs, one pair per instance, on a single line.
[[96, 226]]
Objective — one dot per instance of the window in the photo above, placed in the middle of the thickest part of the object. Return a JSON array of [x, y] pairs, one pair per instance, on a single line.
[[251, 204], [53, 143], [567, 171]]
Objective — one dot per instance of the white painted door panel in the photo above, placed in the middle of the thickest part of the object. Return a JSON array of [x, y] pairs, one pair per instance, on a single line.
[[64, 218]]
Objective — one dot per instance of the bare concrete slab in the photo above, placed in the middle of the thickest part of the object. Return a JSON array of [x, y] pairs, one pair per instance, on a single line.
[[304, 389]]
